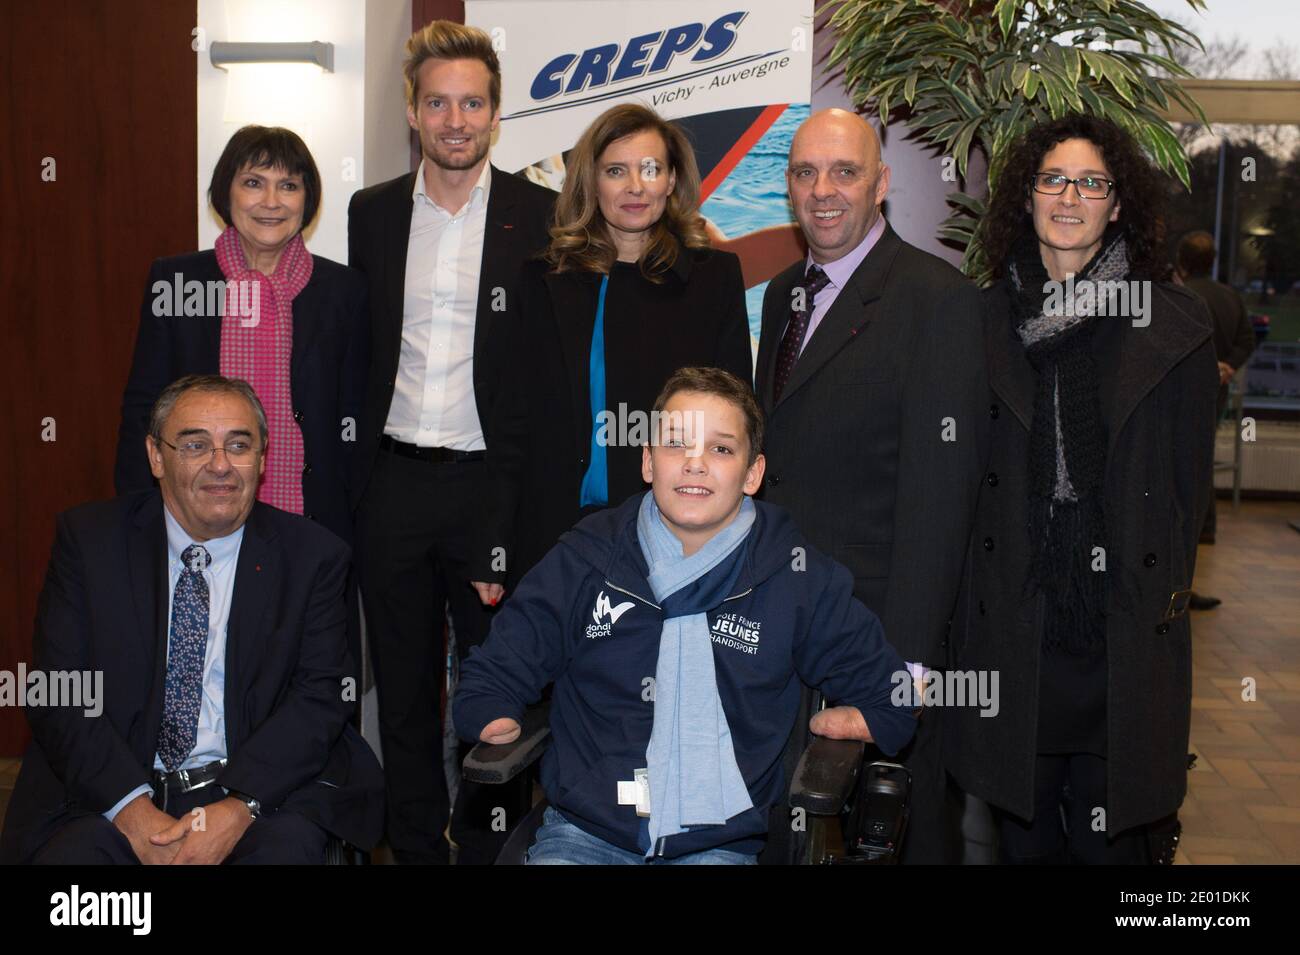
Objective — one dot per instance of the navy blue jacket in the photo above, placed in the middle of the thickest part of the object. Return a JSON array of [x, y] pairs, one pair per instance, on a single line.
[[585, 618]]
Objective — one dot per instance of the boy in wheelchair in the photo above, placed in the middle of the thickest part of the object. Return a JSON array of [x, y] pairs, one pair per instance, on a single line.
[[677, 629]]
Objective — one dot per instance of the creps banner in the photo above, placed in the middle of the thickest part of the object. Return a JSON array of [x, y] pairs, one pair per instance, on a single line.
[[736, 77]]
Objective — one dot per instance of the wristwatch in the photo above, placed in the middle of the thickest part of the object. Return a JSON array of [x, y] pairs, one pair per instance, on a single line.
[[254, 807]]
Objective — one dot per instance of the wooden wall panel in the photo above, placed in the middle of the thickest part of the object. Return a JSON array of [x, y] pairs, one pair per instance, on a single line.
[[107, 90]]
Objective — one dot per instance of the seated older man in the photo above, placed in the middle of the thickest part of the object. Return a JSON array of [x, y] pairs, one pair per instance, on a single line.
[[217, 624]]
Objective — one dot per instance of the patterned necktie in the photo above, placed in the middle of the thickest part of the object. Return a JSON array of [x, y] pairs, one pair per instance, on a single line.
[[801, 309], [187, 647]]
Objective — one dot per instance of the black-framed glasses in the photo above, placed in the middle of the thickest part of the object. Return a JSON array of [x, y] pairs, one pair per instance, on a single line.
[[240, 454], [1088, 187]]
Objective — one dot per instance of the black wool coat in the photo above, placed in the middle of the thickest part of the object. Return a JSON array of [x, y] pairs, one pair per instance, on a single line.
[[1157, 388]]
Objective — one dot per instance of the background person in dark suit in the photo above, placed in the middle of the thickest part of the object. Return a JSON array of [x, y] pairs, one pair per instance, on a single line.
[[1234, 340], [627, 292], [441, 250], [218, 625], [870, 371], [1084, 545]]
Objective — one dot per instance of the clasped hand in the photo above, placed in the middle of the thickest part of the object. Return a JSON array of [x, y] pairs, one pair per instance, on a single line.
[[203, 837]]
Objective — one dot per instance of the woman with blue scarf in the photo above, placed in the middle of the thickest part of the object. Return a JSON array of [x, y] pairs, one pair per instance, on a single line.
[[628, 292]]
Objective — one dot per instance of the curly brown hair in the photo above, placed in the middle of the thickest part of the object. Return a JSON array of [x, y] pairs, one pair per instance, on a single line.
[[579, 239], [1139, 187]]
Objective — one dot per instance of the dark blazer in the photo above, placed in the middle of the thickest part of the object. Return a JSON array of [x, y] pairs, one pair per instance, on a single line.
[[327, 376], [1157, 394], [696, 316], [856, 446], [104, 607], [379, 228]]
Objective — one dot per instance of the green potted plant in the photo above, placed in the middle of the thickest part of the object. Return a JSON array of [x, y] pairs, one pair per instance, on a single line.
[[974, 74]]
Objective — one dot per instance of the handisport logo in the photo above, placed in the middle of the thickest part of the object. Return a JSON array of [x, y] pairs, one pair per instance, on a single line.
[[736, 632], [644, 55], [605, 608]]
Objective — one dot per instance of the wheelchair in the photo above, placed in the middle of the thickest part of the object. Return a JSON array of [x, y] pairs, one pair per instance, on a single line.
[[839, 812]]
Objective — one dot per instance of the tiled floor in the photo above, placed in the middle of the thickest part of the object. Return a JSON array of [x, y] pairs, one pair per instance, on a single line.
[[1243, 802]]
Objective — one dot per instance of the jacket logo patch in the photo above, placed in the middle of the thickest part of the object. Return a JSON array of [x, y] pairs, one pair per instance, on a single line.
[[736, 632], [604, 608]]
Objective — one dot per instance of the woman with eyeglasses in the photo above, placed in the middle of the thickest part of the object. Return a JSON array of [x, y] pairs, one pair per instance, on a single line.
[[262, 308], [1100, 462]]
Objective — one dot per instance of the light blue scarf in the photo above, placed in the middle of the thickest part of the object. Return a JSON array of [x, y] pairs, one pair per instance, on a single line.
[[694, 779]]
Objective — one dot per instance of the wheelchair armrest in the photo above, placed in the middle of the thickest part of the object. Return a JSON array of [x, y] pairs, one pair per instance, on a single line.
[[500, 763], [825, 776]]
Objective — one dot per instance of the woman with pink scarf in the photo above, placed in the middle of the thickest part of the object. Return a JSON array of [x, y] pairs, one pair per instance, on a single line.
[[260, 307]]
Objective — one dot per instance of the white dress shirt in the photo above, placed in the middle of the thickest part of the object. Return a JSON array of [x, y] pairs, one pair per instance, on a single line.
[[433, 394]]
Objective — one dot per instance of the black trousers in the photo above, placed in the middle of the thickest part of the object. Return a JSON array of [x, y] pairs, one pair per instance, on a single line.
[[1210, 527], [933, 834], [1072, 786], [277, 838], [415, 528]]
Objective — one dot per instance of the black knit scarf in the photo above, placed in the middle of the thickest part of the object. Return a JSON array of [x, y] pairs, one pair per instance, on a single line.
[[1067, 442]]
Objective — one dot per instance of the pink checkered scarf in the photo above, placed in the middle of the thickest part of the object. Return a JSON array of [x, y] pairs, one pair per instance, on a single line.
[[259, 351]]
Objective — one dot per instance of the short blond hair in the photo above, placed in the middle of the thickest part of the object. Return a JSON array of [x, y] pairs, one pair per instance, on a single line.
[[448, 40]]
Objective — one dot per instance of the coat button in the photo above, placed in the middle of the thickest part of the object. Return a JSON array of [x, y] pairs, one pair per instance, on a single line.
[[297, 416], [993, 412], [981, 608], [1149, 560], [306, 470], [988, 543], [309, 517], [1162, 629], [993, 479]]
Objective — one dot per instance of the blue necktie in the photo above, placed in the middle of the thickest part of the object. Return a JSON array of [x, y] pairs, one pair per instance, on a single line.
[[187, 647]]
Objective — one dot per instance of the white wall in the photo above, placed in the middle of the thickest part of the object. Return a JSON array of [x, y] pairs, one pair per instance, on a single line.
[[344, 117], [388, 138]]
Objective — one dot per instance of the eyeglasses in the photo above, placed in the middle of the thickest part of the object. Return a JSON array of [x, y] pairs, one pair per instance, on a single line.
[[1088, 187], [240, 454]]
